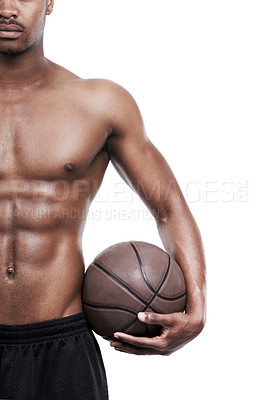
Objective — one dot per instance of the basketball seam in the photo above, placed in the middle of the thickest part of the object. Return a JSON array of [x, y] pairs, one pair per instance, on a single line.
[[171, 298], [141, 267], [119, 282], [151, 300], [146, 279], [109, 308], [146, 304]]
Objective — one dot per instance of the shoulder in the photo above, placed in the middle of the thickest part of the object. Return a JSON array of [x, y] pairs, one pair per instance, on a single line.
[[116, 101], [103, 98], [102, 87], [109, 101], [107, 91]]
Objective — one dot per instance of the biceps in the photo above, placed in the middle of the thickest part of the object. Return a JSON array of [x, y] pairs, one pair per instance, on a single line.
[[146, 171]]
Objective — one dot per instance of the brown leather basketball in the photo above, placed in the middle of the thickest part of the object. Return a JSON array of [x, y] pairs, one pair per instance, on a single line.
[[127, 278]]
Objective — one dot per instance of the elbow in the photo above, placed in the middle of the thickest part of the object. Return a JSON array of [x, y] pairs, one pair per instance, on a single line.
[[201, 325], [162, 214], [165, 213]]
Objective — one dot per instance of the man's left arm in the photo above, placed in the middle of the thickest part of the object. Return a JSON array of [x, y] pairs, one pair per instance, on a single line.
[[146, 171]]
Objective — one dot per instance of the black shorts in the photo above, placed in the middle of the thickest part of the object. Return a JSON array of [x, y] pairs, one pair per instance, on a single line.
[[57, 359]]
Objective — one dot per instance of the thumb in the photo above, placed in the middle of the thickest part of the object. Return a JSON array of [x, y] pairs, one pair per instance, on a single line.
[[156, 318]]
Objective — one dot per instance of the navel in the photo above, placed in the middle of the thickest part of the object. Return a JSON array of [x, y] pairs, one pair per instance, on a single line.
[[10, 270], [69, 167]]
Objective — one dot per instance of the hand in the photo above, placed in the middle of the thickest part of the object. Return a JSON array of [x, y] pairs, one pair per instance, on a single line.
[[177, 330]]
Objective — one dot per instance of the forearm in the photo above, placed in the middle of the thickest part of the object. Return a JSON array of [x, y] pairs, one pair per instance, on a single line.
[[181, 238], [146, 171]]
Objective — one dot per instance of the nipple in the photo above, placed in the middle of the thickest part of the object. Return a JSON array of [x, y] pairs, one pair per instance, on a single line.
[[69, 166]]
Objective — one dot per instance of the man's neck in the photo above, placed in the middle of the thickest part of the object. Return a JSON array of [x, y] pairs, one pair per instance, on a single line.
[[23, 70]]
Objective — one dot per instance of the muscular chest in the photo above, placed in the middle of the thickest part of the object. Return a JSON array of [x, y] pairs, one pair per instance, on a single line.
[[44, 139]]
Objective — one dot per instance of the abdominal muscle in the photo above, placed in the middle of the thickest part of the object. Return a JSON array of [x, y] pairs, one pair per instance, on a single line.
[[41, 261]]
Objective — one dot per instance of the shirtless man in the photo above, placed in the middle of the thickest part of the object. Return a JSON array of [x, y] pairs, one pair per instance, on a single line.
[[57, 135]]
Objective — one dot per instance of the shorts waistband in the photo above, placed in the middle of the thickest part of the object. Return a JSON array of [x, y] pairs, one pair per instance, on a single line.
[[44, 330]]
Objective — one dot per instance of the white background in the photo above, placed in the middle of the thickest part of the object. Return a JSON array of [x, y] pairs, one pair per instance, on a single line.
[[194, 69]]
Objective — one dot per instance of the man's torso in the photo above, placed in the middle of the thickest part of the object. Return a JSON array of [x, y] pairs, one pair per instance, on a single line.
[[53, 160]]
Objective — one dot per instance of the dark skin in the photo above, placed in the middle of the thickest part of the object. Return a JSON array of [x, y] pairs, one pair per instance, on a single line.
[[57, 135]]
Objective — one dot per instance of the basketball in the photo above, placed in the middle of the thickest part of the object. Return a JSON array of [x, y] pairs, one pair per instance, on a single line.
[[127, 278]]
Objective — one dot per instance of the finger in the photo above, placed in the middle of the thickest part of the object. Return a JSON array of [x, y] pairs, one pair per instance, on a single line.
[[156, 342], [127, 348]]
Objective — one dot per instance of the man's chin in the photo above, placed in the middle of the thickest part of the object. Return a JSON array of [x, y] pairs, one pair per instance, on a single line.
[[12, 50], [9, 52]]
